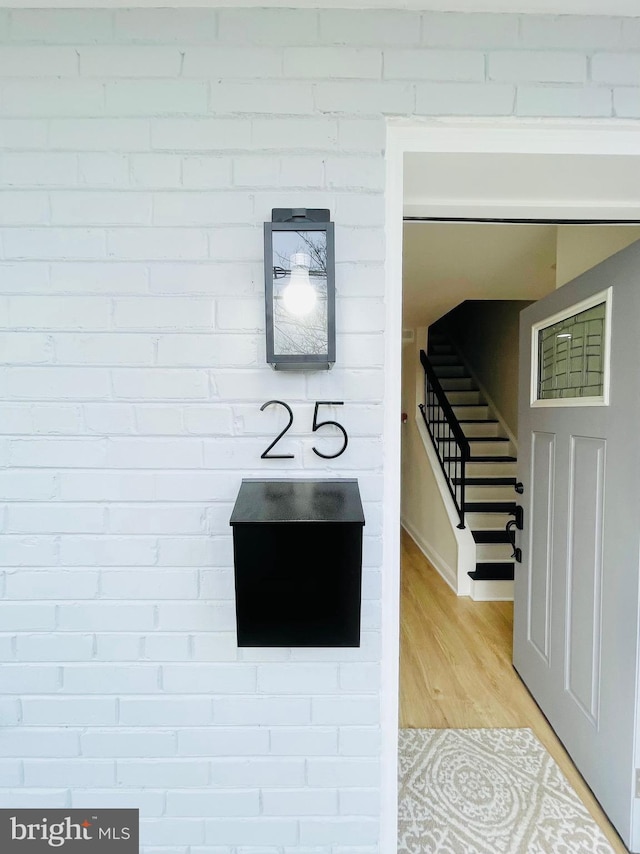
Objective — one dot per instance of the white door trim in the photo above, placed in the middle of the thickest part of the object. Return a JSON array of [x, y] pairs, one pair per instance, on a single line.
[[462, 136]]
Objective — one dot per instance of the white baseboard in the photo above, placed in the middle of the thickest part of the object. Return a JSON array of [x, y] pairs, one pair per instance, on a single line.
[[448, 573]]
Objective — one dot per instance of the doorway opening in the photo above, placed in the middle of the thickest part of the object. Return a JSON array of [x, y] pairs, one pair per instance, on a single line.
[[454, 148]]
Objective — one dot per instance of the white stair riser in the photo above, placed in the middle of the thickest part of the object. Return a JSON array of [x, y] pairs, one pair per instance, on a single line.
[[458, 384], [456, 398], [443, 371], [498, 469], [489, 493], [487, 521], [491, 449], [493, 551], [491, 591], [488, 429], [462, 412]]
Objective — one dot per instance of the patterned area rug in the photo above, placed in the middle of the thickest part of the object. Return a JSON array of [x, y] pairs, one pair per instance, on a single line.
[[488, 791]]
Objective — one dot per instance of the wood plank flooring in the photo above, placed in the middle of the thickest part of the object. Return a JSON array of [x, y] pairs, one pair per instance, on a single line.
[[455, 668]]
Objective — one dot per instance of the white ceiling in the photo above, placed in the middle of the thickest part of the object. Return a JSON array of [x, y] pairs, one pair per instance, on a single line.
[[553, 7]]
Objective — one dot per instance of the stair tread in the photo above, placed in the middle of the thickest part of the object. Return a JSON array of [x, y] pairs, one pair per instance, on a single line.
[[493, 571], [482, 459], [488, 439], [477, 421], [486, 481], [490, 507], [490, 536]]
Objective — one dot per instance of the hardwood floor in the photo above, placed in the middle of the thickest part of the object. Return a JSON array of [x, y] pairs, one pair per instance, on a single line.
[[455, 668]]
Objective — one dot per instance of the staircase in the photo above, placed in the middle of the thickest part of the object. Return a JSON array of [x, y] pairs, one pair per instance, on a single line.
[[490, 475]]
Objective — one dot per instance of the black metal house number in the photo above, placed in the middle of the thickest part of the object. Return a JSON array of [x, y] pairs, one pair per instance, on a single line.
[[266, 455]]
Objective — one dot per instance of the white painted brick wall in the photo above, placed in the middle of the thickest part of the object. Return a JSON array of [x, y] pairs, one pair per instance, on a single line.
[[141, 152]]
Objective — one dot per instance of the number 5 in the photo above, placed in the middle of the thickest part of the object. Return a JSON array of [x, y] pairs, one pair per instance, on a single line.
[[317, 424]]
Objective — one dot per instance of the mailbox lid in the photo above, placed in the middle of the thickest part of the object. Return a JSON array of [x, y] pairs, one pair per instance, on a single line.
[[332, 500]]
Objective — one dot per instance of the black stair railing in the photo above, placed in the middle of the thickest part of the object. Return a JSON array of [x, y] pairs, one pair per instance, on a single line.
[[450, 443]]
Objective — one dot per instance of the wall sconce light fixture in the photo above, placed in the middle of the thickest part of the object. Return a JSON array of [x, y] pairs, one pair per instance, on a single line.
[[299, 270]]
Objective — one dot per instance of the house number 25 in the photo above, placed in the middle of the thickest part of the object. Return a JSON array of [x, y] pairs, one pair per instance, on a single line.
[[266, 455]]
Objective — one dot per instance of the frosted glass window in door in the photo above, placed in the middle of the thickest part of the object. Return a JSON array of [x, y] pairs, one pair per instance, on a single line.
[[571, 356]]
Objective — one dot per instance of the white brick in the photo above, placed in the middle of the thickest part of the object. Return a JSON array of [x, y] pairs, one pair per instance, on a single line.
[[34, 798], [26, 617], [9, 712], [381, 27], [365, 98], [61, 26], [361, 135], [428, 64], [332, 62], [118, 647], [359, 741], [231, 454], [618, 68], [106, 208], [563, 101], [171, 831], [220, 803], [570, 31], [35, 679], [165, 711], [360, 677], [56, 98], [258, 97], [209, 678], [465, 99], [38, 62], [360, 802], [355, 173], [129, 61], [23, 134], [241, 315], [345, 710], [26, 485], [345, 831], [52, 383], [166, 25], [256, 171], [16, 419], [105, 486], [210, 421], [99, 134], [251, 832], [311, 741], [158, 383], [36, 169], [54, 243], [25, 348], [360, 351], [119, 743], [156, 170], [257, 772], [630, 32], [39, 743], [59, 312], [293, 134], [54, 519], [207, 350], [202, 134], [80, 773], [103, 170], [110, 678], [148, 584], [198, 551], [359, 315], [150, 244], [108, 551], [232, 62], [155, 453], [626, 102], [157, 420], [539, 66], [28, 551], [149, 803], [163, 774], [169, 647], [220, 741], [261, 711], [215, 646], [155, 97], [450, 30], [200, 208], [51, 419], [297, 679], [72, 453], [23, 278], [193, 486], [109, 419], [111, 349], [360, 210], [105, 616], [302, 171], [300, 802], [267, 26], [351, 386], [23, 209], [210, 172], [7, 648], [344, 773]]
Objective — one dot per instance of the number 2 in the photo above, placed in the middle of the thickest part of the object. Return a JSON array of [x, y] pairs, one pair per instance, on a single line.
[[265, 455]]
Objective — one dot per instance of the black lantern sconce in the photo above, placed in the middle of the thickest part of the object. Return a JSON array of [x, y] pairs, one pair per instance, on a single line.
[[299, 267]]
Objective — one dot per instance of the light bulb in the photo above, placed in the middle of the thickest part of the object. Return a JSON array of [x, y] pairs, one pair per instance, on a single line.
[[299, 296]]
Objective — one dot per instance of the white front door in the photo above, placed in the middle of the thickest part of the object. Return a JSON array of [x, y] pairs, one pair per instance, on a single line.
[[576, 590]]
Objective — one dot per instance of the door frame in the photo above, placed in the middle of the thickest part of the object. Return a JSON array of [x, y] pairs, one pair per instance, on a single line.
[[462, 137]]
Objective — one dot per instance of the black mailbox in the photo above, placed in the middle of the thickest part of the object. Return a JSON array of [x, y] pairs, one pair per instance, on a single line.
[[297, 548]]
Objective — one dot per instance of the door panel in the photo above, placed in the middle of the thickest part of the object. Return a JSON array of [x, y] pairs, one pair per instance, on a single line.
[[576, 593]]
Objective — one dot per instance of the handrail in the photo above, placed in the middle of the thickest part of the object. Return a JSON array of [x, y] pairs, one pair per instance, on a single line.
[[444, 428]]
